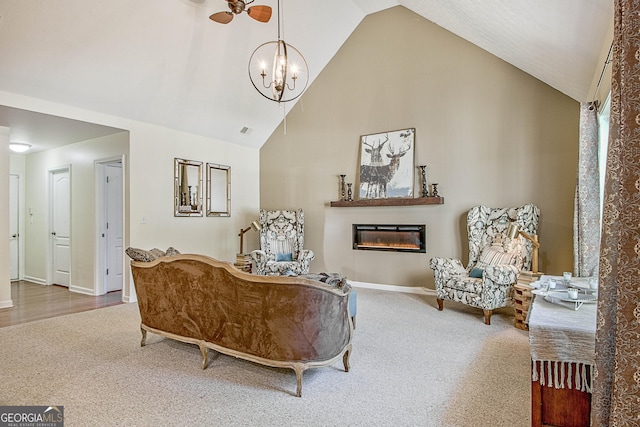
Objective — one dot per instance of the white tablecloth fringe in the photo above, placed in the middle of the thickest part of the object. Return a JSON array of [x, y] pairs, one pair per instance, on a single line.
[[550, 376]]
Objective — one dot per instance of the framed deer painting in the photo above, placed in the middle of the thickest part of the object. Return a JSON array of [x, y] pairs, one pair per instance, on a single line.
[[386, 164]]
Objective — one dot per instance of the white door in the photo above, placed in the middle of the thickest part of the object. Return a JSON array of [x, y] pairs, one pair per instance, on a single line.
[[61, 226], [113, 226], [14, 226]]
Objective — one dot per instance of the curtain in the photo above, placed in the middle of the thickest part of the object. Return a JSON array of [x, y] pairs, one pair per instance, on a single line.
[[616, 393], [586, 212]]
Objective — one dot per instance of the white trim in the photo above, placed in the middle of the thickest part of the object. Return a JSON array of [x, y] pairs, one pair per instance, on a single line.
[[99, 166], [130, 299], [84, 291], [6, 304], [393, 288], [36, 280]]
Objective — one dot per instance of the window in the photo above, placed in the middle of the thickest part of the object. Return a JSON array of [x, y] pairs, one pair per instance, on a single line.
[[603, 143]]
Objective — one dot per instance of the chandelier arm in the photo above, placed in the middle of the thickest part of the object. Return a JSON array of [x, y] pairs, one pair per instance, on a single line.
[[286, 67]]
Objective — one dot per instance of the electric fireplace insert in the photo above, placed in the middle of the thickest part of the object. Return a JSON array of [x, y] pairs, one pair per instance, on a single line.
[[393, 237]]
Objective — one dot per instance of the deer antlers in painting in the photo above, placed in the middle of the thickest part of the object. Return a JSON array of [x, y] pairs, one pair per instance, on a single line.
[[375, 176]]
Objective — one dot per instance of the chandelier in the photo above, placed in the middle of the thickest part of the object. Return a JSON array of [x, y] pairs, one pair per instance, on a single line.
[[278, 70]]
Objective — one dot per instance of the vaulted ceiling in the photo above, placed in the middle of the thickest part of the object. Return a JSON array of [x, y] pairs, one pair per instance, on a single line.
[[164, 62]]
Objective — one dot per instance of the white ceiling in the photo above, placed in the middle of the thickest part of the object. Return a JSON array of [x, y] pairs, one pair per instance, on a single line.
[[166, 63]]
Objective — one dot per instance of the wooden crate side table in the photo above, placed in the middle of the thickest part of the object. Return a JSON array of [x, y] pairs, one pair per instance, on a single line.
[[243, 262], [522, 297]]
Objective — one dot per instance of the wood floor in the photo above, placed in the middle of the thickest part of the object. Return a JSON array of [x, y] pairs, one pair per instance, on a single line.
[[35, 302]]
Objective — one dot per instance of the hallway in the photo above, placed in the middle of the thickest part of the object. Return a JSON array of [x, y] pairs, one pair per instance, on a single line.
[[36, 302]]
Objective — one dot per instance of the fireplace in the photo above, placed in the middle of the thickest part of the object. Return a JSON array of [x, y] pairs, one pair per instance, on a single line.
[[398, 238]]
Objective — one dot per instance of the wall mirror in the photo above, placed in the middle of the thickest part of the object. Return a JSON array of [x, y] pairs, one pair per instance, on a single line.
[[188, 188], [218, 190]]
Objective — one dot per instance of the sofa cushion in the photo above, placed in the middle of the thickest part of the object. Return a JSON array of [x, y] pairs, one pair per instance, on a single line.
[[465, 284]]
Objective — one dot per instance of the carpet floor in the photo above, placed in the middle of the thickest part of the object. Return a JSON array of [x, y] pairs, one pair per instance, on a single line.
[[411, 366]]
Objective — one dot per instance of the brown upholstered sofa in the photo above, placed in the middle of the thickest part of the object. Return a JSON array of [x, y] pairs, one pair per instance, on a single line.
[[289, 322]]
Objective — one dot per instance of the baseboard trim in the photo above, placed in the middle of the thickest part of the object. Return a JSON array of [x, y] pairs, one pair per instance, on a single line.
[[6, 304], [35, 280], [393, 288], [84, 291], [129, 299]]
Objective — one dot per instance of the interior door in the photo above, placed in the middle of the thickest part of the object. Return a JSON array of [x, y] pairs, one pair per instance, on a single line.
[[14, 226], [113, 194], [61, 226]]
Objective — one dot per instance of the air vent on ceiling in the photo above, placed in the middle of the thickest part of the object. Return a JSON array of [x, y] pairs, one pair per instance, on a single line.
[[245, 130]]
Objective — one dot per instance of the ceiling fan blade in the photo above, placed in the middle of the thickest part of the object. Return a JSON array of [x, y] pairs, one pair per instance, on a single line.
[[260, 13], [222, 17]]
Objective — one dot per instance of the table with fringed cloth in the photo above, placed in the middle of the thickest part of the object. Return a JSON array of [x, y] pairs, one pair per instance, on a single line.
[[562, 344]]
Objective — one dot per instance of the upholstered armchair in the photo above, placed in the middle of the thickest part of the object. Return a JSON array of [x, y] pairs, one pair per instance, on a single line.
[[494, 259], [281, 244]]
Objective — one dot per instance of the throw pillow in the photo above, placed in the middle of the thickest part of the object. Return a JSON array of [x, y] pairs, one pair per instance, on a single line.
[[476, 273], [284, 257], [140, 255], [171, 251], [158, 253], [496, 255]]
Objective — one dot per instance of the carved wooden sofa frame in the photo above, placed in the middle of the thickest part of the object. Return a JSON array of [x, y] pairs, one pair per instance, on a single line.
[[282, 322]]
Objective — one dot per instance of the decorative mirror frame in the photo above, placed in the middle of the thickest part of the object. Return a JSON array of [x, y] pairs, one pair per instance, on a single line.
[[187, 174], [218, 190]]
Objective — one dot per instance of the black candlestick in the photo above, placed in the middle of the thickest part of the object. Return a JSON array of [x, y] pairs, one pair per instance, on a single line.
[[342, 189], [435, 190], [425, 190]]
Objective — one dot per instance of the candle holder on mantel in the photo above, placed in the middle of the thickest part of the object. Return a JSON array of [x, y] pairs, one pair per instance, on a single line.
[[349, 192], [434, 193], [342, 188], [423, 172]]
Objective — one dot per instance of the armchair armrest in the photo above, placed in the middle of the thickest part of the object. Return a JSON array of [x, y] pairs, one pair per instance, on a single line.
[[501, 274], [448, 266], [306, 256], [260, 258]]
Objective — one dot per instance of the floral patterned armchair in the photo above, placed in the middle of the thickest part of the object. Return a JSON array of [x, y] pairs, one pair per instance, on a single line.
[[281, 244], [494, 259]]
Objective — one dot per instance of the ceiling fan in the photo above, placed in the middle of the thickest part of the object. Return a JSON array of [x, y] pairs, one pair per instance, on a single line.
[[259, 13]]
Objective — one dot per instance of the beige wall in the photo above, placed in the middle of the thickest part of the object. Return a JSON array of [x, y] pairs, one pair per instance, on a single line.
[[488, 133], [152, 149]]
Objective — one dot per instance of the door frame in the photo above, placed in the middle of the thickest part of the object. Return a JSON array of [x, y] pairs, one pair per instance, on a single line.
[[100, 251], [20, 219], [50, 173]]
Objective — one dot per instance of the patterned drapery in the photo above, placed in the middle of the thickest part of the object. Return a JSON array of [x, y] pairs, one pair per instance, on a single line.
[[586, 213], [616, 394]]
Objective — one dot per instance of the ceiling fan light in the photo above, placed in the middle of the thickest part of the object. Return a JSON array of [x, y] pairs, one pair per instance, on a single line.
[[19, 147]]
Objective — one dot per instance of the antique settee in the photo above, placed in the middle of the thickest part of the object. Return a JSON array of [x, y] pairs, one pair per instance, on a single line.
[[286, 322]]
